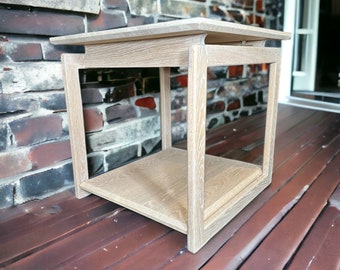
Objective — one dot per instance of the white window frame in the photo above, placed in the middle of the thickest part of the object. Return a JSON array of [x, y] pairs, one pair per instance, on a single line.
[[285, 90]]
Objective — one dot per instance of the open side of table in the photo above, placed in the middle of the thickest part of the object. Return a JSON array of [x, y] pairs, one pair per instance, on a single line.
[[187, 190]]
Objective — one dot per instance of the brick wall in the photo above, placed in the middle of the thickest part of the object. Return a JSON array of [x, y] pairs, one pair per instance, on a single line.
[[35, 159]]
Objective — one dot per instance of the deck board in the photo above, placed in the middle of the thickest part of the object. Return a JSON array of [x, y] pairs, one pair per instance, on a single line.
[[120, 248], [62, 232], [270, 204], [81, 243], [294, 162], [51, 228], [37, 217], [320, 248], [291, 231]]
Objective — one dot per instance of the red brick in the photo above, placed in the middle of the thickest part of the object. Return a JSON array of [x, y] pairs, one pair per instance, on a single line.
[[216, 107], [116, 158], [178, 115], [34, 130], [26, 52], [50, 153], [120, 112], [116, 4], [53, 53], [15, 162], [10, 103], [41, 183], [135, 21], [53, 100], [32, 76], [106, 20], [93, 119], [260, 6], [182, 80], [235, 71], [258, 20], [39, 22], [91, 95], [146, 102], [120, 92]]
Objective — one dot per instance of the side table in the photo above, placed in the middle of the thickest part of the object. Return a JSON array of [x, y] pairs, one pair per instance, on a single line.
[[189, 191]]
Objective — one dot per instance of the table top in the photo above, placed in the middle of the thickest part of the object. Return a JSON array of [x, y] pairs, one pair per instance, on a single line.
[[215, 31]]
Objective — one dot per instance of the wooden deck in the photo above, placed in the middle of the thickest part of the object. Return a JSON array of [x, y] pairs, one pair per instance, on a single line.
[[293, 224]]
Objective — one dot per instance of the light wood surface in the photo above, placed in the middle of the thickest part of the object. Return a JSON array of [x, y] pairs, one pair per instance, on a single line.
[[156, 186], [164, 79], [189, 191], [166, 52], [196, 129], [271, 119], [241, 55], [71, 65], [217, 32]]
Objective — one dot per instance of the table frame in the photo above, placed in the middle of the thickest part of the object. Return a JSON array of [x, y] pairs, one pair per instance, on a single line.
[[205, 210]]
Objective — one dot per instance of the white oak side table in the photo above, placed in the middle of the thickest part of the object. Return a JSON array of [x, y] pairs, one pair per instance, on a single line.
[[187, 190]]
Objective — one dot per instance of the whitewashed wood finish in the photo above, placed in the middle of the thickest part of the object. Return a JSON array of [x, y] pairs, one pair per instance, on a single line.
[[71, 65], [240, 55], [189, 191], [164, 78], [166, 52], [217, 32], [271, 118], [196, 118], [160, 185], [223, 215]]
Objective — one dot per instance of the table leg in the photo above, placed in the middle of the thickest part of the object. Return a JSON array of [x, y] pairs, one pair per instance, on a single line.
[[196, 124], [164, 75], [271, 118], [71, 65]]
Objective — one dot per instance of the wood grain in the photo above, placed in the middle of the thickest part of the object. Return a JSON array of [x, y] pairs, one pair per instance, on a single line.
[[166, 52], [187, 190], [71, 65], [160, 185], [164, 77], [218, 32]]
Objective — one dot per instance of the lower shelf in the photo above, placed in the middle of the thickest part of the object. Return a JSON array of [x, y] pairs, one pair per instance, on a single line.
[[156, 186]]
